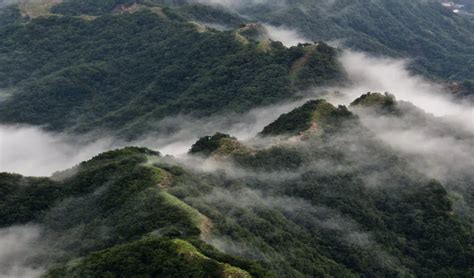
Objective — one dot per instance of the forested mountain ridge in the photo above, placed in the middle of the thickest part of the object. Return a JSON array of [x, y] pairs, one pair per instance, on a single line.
[[334, 202], [112, 201], [438, 41], [123, 73], [185, 67]]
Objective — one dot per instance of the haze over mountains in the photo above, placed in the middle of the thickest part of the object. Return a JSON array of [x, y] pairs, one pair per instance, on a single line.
[[273, 139]]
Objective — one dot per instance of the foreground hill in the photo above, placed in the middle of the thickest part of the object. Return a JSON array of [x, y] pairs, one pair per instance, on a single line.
[[124, 72], [324, 199]]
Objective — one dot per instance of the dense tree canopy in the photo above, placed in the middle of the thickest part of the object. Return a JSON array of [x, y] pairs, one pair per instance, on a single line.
[[123, 73]]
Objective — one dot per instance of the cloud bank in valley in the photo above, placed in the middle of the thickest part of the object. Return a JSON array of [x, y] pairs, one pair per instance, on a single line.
[[443, 146], [370, 74], [289, 37], [34, 152], [237, 5], [31, 151]]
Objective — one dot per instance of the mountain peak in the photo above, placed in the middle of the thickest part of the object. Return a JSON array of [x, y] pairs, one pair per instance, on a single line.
[[314, 117], [378, 102], [219, 144]]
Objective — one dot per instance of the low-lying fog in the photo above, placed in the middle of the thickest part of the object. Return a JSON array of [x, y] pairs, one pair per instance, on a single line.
[[34, 152]]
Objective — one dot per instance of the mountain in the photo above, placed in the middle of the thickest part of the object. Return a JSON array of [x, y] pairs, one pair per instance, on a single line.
[[125, 72], [129, 201], [296, 186], [322, 201], [438, 41], [122, 66]]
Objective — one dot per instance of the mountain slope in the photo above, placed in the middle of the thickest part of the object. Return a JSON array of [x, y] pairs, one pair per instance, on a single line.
[[439, 42], [123, 73], [335, 202], [115, 203]]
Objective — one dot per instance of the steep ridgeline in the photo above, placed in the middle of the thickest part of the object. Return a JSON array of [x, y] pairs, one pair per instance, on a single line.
[[438, 41], [113, 215], [124, 72], [324, 199]]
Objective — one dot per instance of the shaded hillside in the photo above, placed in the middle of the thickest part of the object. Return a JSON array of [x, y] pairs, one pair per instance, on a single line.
[[123, 73]]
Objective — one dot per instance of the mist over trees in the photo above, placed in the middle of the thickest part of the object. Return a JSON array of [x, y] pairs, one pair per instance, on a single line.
[[213, 138]]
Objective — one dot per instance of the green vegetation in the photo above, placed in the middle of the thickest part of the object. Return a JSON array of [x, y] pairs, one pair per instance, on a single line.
[[9, 15], [341, 205], [97, 217], [89, 7], [465, 90], [219, 144], [24, 199], [208, 14], [313, 116], [378, 103], [36, 8], [375, 99], [332, 201], [439, 41], [123, 73], [148, 257], [208, 144], [403, 221]]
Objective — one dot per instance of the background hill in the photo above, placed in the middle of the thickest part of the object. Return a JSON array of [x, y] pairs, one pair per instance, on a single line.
[[439, 42], [124, 65], [123, 73]]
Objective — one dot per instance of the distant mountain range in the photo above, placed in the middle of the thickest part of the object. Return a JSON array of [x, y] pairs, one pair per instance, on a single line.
[[139, 62]]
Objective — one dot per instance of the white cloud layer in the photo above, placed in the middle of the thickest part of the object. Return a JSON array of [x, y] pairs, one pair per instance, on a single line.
[[240, 4], [289, 37], [370, 74], [31, 151], [17, 245]]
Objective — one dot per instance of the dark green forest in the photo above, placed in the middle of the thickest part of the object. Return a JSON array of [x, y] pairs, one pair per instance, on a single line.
[[439, 42], [124, 73]]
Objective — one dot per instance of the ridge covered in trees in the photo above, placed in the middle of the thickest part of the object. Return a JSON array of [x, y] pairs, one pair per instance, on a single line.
[[123, 73]]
